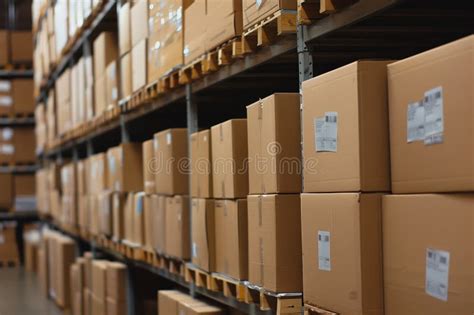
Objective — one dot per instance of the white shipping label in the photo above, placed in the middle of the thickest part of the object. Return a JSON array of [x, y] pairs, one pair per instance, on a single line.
[[415, 122], [434, 116], [194, 249], [168, 138], [7, 134], [437, 273], [6, 101], [258, 3], [326, 132], [324, 250], [5, 86], [7, 149]]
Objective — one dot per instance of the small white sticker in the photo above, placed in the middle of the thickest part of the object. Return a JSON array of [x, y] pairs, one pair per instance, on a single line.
[[194, 250], [168, 138], [415, 122], [324, 250], [7, 134], [437, 273], [434, 117], [7, 149], [6, 101], [5, 86], [326, 132], [259, 3], [114, 94]]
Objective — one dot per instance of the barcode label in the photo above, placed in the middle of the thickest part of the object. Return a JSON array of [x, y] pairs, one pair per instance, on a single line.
[[194, 249], [326, 132], [6, 101], [437, 273], [324, 250], [7, 149], [5, 86], [434, 117], [415, 122]]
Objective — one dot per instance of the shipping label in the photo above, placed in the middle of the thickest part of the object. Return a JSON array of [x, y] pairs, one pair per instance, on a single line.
[[415, 122], [326, 132], [437, 273], [324, 250]]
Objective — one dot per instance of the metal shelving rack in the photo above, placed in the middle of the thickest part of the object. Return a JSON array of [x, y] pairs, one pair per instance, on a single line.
[[388, 29]]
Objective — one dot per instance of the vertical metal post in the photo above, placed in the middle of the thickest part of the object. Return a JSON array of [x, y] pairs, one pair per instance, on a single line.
[[123, 129], [130, 285], [192, 125]]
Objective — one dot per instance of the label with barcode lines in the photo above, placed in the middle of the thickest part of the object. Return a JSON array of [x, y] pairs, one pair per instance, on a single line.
[[437, 273], [434, 116], [325, 129], [415, 122], [324, 250]]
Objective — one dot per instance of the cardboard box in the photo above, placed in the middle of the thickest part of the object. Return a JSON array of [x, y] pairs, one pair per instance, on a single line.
[[177, 237], [61, 24], [25, 192], [224, 21], [63, 101], [195, 31], [171, 153], [112, 83], [125, 39], [116, 307], [274, 227], [100, 94], [229, 159], [126, 76], [431, 118], [191, 306], [69, 194], [21, 46], [121, 159], [201, 166], [105, 212], [98, 306], [105, 51], [6, 197], [116, 277], [139, 65], [428, 253], [148, 223], [24, 144], [168, 301], [148, 167], [159, 223], [118, 212], [345, 126], [128, 218], [139, 21], [3, 47], [255, 11], [6, 97], [65, 258], [138, 220], [99, 279], [232, 238], [98, 173], [8, 248], [342, 252], [203, 247], [23, 101], [275, 144]]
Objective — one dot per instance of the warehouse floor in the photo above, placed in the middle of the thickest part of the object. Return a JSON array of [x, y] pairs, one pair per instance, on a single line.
[[20, 294]]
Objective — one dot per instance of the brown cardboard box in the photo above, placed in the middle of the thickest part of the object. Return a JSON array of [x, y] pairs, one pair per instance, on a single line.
[[25, 192], [125, 39], [139, 219], [224, 21], [23, 101], [148, 167], [6, 197], [148, 220], [8, 246], [126, 75], [21, 46], [99, 306], [121, 160], [139, 21], [69, 194], [118, 211], [43, 269], [440, 129], [203, 248], [51, 117], [255, 11], [229, 159], [63, 101], [65, 258], [100, 94], [128, 218], [274, 226], [99, 279], [428, 254], [139, 65], [232, 238], [112, 83], [195, 31], [3, 47], [116, 307], [168, 301], [171, 169], [25, 143], [98, 173], [105, 212], [177, 227], [275, 144], [342, 252], [159, 223], [201, 166], [105, 51], [6, 97], [116, 277], [345, 126], [197, 307]]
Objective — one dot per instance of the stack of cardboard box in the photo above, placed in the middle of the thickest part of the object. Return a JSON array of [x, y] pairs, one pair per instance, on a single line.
[[18, 192], [274, 231], [125, 46], [16, 97], [16, 47], [8, 244], [346, 172], [428, 223]]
